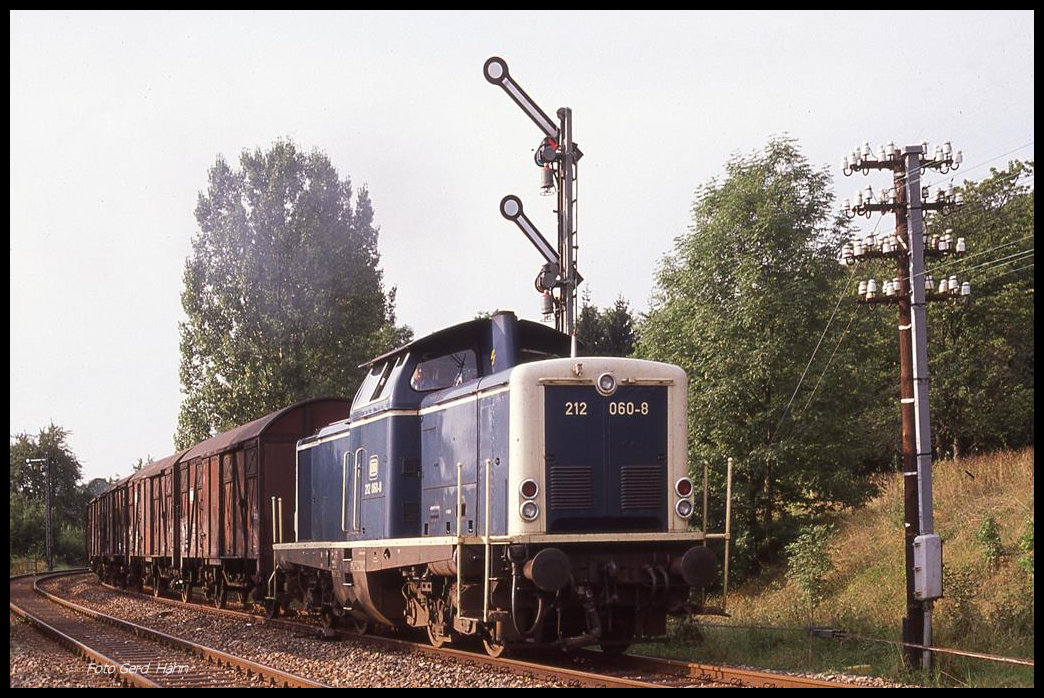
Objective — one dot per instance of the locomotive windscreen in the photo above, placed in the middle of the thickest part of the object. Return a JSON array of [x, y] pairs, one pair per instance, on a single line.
[[606, 459]]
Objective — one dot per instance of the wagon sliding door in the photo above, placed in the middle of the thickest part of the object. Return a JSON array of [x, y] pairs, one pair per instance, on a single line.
[[253, 515], [181, 544], [234, 508]]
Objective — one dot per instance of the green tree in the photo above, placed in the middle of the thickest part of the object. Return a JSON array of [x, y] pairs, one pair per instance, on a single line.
[[741, 304], [29, 488], [283, 292], [608, 332], [981, 352]]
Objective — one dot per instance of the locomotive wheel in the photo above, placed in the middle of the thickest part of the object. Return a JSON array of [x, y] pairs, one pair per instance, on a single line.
[[328, 618], [435, 636], [494, 648]]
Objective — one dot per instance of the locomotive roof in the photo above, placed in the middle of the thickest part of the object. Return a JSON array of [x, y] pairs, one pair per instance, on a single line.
[[532, 334]]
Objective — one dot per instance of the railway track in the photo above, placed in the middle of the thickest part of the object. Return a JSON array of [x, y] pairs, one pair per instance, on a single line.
[[136, 655], [581, 669], [570, 676]]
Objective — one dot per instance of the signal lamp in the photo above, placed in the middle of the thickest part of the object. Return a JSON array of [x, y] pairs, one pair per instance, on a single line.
[[683, 487], [529, 489]]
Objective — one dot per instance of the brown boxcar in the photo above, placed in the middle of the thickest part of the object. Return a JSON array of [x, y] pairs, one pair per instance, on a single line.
[[107, 531], [205, 518]]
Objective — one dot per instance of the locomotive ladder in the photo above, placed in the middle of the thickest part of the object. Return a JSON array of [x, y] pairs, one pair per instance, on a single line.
[[487, 547]]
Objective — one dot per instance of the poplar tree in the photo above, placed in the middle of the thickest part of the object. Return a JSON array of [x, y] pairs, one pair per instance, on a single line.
[[283, 292]]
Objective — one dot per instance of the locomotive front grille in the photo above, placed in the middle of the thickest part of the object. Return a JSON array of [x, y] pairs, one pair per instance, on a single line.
[[605, 458], [642, 487], [571, 487]]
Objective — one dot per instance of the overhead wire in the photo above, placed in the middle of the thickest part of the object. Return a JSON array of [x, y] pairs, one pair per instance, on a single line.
[[844, 290], [1010, 271]]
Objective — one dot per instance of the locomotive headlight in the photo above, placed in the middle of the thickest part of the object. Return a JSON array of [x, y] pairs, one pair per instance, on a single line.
[[683, 508], [606, 384], [529, 510], [683, 487]]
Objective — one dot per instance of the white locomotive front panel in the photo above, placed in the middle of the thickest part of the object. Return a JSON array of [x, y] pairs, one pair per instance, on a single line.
[[602, 441]]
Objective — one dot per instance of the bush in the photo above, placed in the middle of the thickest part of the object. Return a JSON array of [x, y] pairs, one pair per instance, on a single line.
[[809, 563], [988, 536]]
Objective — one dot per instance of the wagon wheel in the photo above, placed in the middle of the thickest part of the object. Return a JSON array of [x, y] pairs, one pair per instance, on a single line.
[[219, 594]]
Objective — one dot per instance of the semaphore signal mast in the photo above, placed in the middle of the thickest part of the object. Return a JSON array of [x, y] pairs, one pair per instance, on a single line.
[[556, 156]]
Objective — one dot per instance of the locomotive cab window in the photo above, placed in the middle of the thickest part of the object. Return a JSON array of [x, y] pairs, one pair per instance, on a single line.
[[445, 371], [374, 383]]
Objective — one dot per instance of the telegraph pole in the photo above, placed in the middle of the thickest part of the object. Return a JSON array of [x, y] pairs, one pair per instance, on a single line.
[[557, 156], [48, 540], [910, 290]]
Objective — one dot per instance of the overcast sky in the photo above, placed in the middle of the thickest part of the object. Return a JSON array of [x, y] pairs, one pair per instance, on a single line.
[[116, 118]]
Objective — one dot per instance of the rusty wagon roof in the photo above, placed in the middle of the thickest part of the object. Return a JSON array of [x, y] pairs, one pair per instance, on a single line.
[[222, 442], [245, 432]]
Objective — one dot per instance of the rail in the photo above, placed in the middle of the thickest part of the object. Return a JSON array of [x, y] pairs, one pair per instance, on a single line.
[[21, 604]]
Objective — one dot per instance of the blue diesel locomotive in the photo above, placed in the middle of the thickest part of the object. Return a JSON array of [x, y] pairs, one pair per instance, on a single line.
[[487, 485]]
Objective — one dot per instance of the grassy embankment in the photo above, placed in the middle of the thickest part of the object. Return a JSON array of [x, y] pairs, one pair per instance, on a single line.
[[984, 515]]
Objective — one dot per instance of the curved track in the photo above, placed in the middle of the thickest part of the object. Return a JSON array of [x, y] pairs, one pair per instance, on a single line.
[[134, 654]]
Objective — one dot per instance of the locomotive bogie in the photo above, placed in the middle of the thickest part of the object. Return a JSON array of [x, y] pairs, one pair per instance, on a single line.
[[515, 594]]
